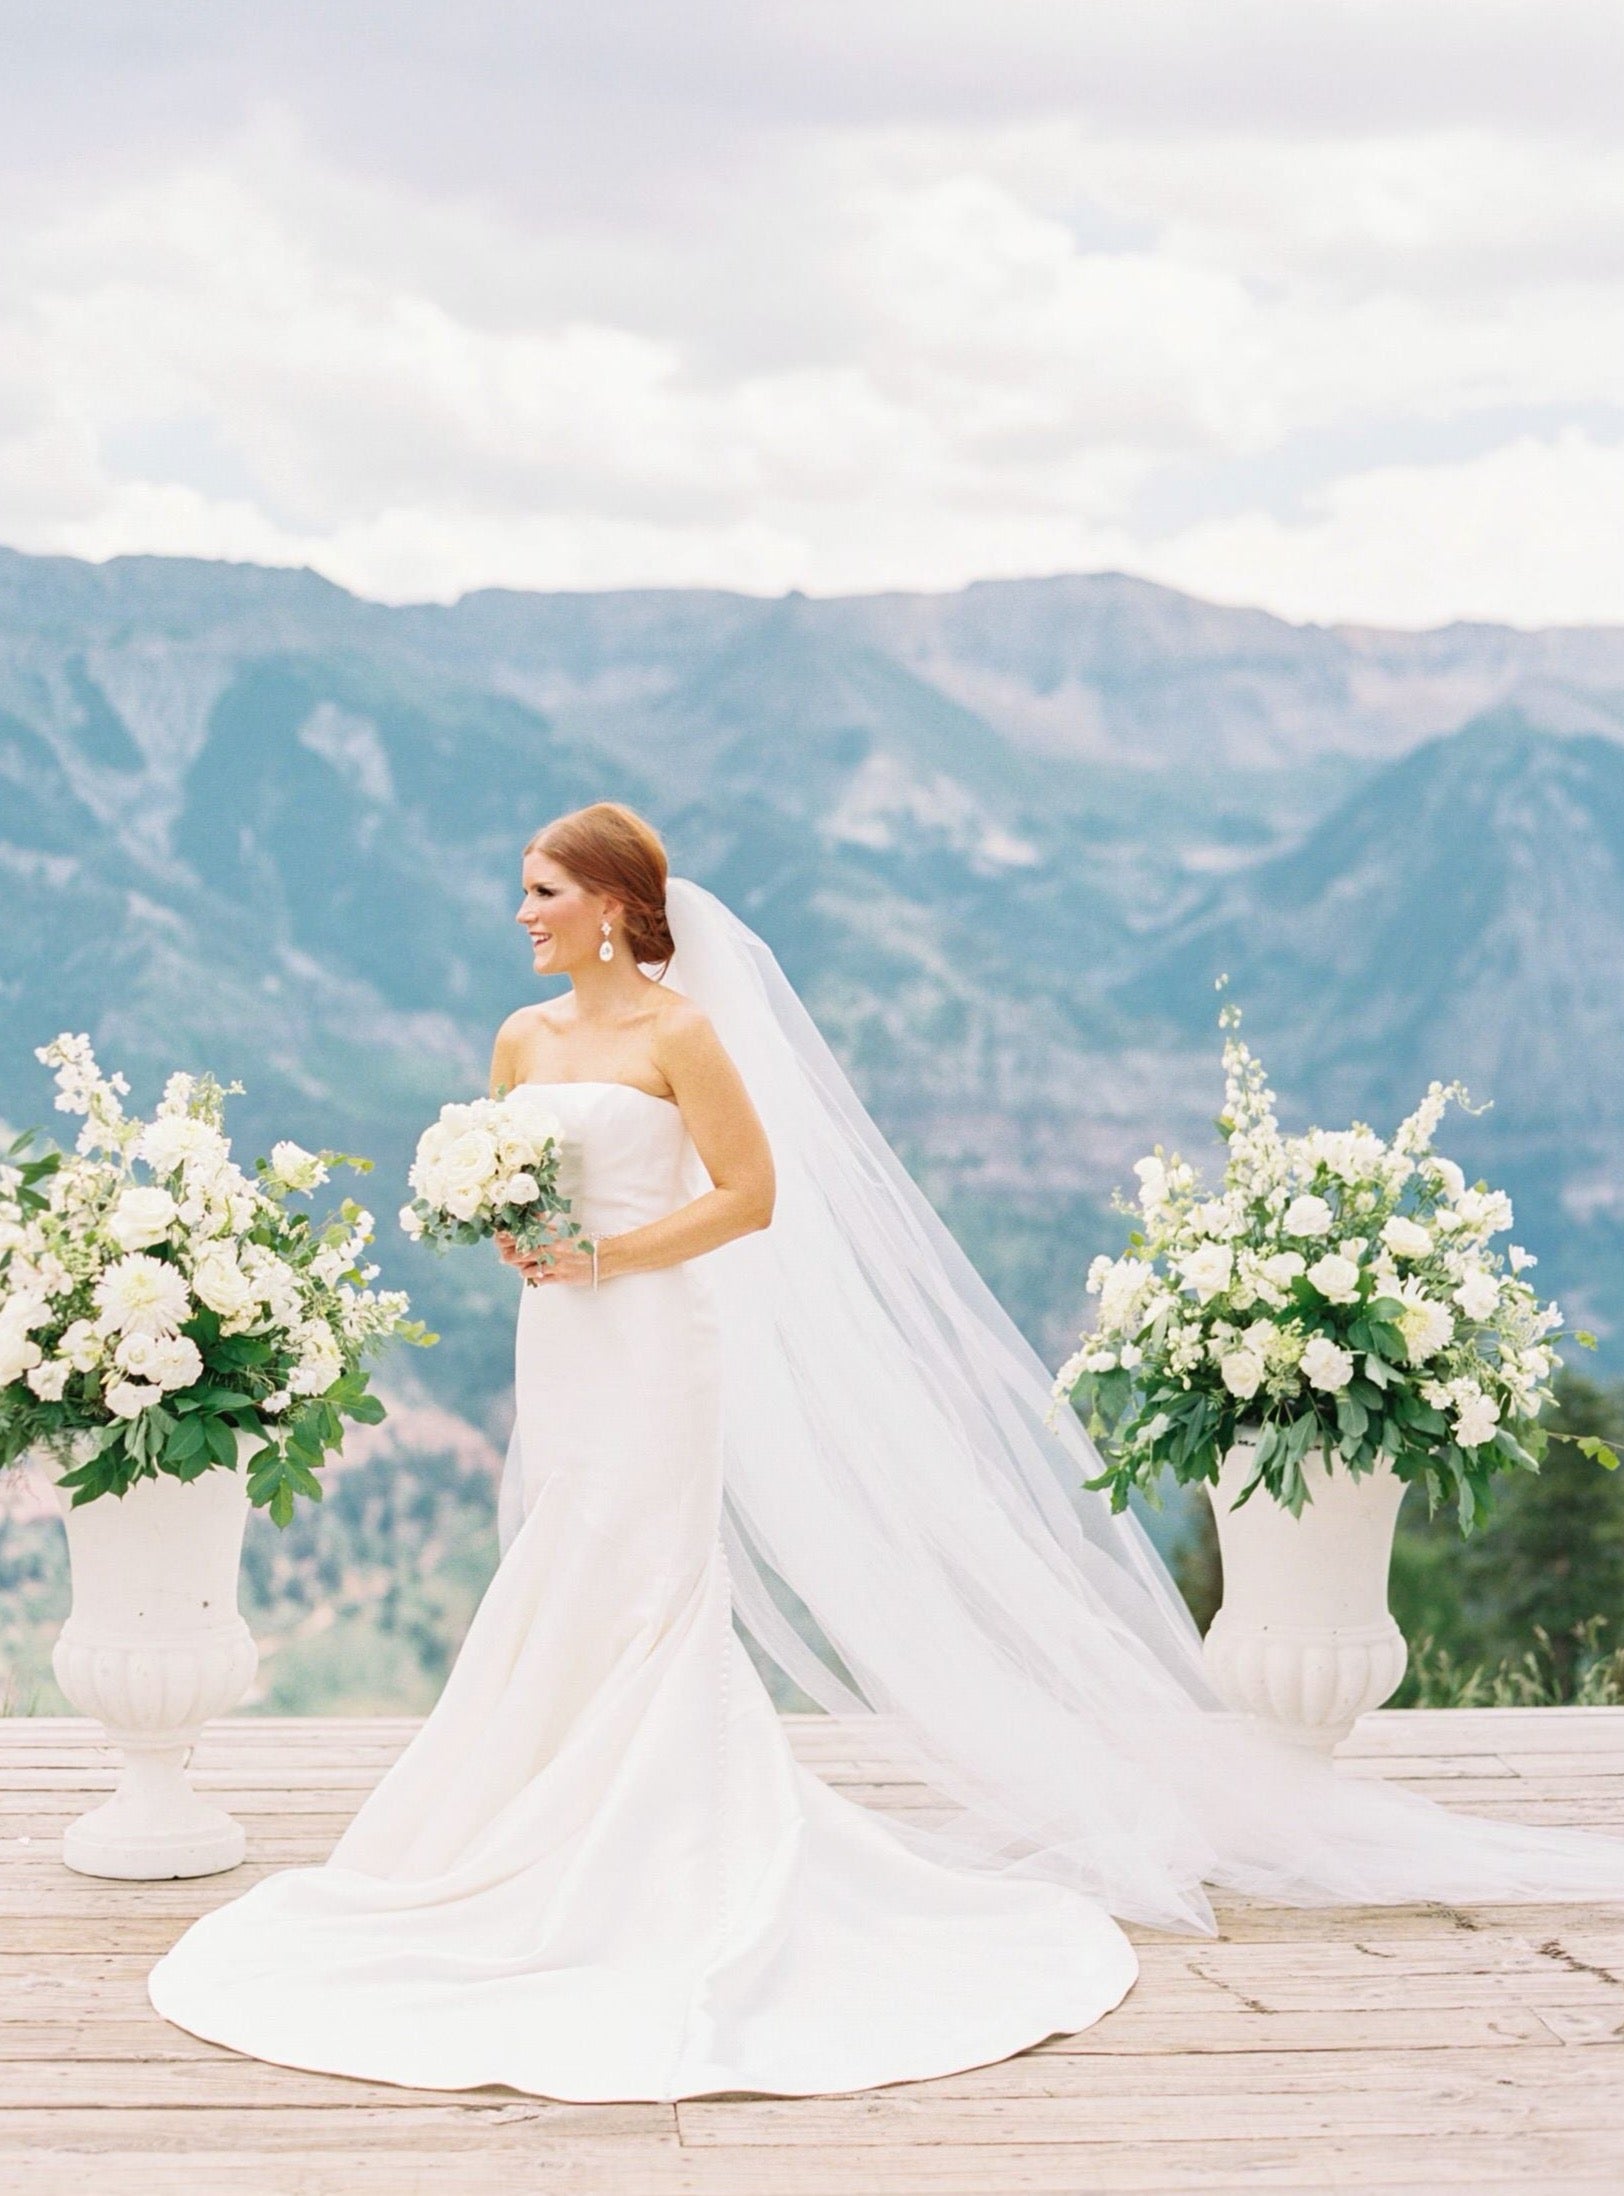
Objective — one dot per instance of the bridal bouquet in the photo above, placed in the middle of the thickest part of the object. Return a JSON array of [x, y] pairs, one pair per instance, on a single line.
[[491, 1167], [155, 1302], [1338, 1290]]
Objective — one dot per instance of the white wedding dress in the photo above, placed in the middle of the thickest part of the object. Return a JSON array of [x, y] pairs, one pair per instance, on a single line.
[[597, 1872]]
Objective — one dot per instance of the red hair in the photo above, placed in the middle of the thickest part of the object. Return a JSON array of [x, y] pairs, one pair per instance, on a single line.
[[610, 849]]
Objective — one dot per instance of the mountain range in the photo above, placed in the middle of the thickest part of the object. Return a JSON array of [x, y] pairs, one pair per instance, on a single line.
[[1003, 840]]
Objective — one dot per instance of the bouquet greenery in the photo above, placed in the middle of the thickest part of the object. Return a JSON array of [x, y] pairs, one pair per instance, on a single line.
[[1338, 1291], [156, 1303]]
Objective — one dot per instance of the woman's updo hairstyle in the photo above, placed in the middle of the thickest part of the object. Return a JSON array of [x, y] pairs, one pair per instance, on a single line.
[[610, 849]]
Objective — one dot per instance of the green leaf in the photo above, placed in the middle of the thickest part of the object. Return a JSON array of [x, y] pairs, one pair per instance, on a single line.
[[1596, 1449]]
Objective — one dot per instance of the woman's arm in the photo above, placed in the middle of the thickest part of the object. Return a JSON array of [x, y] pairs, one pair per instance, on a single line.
[[728, 1135]]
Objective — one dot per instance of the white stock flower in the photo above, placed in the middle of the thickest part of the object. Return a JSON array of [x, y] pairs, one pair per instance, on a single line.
[[1152, 1175], [1242, 1372], [1476, 1414], [1325, 1365], [1123, 1286], [296, 1168], [1479, 1293], [168, 1361], [1207, 1269], [1519, 1259], [175, 1141], [1483, 1212], [1307, 1216], [19, 1352], [82, 1346], [129, 1398], [320, 1363], [1335, 1277], [49, 1379], [1406, 1238], [143, 1216], [142, 1295], [1349, 1154]]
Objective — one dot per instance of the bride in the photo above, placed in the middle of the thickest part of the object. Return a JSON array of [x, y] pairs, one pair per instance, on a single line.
[[775, 1396]]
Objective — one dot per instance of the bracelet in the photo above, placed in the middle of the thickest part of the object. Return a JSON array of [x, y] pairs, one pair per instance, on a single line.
[[593, 1240]]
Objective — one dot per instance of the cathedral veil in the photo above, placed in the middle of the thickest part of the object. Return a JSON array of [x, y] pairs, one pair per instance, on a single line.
[[910, 1543]]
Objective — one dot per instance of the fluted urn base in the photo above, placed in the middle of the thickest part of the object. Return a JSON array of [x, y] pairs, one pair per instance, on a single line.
[[153, 1647], [1304, 1641]]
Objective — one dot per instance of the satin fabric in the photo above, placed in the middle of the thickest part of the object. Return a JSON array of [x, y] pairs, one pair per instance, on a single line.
[[597, 1872]]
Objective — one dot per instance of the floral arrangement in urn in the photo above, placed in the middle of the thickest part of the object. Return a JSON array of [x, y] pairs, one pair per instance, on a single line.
[[156, 1304], [1338, 1291]]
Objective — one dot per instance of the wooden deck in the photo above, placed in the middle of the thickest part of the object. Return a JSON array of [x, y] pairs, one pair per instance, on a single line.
[[1422, 2048]]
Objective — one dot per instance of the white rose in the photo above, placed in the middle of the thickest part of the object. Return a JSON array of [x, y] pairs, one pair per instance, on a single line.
[[518, 1189], [1308, 1216], [1325, 1366], [1479, 1293], [1406, 1238], [129, 1398], [1207, 1269], [465, 1169], [142, 1295], [297, 1168], [49, 1380], [219, 1282], [141, 1218], [1282, 1268], [1242, 1372], [1336, 1278]]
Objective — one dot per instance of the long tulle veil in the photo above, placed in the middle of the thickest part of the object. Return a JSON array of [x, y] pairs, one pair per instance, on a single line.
[[909, 1542]]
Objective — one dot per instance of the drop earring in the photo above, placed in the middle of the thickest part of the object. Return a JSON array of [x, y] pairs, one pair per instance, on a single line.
[[606, 951]]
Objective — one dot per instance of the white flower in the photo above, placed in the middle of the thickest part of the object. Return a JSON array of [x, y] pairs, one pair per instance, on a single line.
[[174, 1141], [19, 1352], [1519, 1259], [1476, 1414], [1130, 1355], [129, 1398], [220, 1283], [142, 1295], [1307, 1216], [296, 1168], [1282, 1268], [1483, 1212], [1336, 1278], [1349, 1154], [82, 1346], [1406, 1238], [518, 1189], [169, 1361], [1207, 1269], [142, 1217], [1152, 1184], [411, 1222], [1242, 1372], [1479, 1293], [321, 1362], [1325, 1366], [1447, 1175], [1426, 1327], [1122, 1290], [49, 1380]]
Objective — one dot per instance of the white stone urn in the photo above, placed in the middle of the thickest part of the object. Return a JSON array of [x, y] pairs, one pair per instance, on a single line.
[[153, 1646], [1305, 1641]]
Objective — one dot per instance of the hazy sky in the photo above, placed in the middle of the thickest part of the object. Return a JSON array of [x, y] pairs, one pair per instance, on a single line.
[[1295, 302]]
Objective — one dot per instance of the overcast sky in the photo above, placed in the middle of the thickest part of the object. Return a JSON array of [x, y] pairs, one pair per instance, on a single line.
[[1318, 306]]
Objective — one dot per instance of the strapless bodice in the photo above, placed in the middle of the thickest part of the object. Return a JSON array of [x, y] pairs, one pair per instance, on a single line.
[[626, 1153]]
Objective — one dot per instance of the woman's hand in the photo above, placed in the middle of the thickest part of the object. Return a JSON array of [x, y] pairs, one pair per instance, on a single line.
[[527, 1262]]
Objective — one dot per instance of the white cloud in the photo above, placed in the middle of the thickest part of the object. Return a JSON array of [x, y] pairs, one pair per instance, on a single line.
[[856, 301]]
